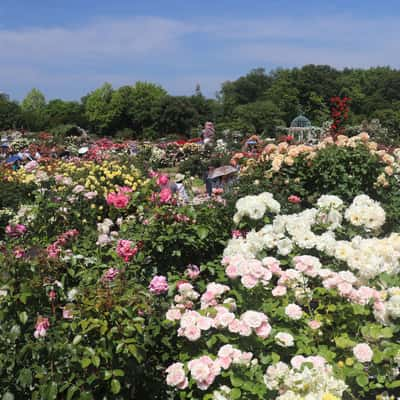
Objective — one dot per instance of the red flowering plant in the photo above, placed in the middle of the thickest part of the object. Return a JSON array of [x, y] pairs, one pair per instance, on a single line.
[[339, 113]]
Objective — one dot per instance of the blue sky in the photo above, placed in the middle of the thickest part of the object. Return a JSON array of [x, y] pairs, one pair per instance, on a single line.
[[67, 48]]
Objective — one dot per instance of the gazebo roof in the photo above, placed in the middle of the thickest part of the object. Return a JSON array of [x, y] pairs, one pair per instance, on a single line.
[[300, 122]]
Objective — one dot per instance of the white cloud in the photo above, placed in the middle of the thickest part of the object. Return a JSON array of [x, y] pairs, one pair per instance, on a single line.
[[130, 38], [78, 58]]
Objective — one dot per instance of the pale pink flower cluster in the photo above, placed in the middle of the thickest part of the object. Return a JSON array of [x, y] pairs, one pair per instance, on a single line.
[[213, 292], [250, 271], [41, 327], [308, 265], [158, 285], [318, 362], [363, 352], [216, 315], [183, 300], [126, 250], [228, 355], [192, 323], [176, 376], [293, 311], [344, 281], [204, 369]]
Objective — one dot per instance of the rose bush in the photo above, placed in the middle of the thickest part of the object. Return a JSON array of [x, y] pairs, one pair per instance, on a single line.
[[346, 168], [307, 306], [81, 315]]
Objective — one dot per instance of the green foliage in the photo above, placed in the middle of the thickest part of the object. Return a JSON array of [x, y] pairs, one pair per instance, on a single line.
[[100, 110], [177, 115], [10, 113]]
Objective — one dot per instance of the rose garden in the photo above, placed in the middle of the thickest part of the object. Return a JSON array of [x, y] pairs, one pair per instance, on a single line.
[[284, 285]]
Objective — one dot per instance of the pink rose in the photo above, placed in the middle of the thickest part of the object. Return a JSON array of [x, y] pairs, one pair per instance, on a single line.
[[363, 352], [118, 200], [110, 275], [52, 295], [192, 271], [15, 230], [41, 327], [158, 285], [165, 195], [248, 281], [232, 271], [173, 314], [126, 250], [193, 333], [314, 324], [162, 180], [279, 291], [264, 330], [67, 314], [294, 199], [19, 253], [293, 311], [176, 376], [90, 195]]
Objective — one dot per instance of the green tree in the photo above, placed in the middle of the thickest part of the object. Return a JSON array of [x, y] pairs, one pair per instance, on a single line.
[[60, 112], [246, 89], [144, 107], [33, 109], [178, 115], [10, 113], [284, 94], [262, 116], [100, 110]]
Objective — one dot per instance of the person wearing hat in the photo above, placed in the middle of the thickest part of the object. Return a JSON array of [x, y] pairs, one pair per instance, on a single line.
[[180, 188]]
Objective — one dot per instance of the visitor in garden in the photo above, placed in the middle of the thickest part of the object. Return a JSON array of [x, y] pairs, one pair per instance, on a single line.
[[208, 180], [208, 133], [181, 191]]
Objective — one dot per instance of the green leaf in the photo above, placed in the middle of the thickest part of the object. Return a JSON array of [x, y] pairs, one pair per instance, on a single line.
[[362, 380], [71, 391], [115, 386], [235, 393], [8, 396], [107, 375], [25, 377], [236, 381], [23, 317], [96, 361], [344, 342], [77, 339], [52, 391], [202, 232], [394, 384], [86, 362]]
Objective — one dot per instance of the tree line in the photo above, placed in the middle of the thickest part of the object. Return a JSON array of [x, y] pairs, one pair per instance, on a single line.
[[256, 102]]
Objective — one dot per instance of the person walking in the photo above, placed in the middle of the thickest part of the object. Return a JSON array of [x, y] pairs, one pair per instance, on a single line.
[[180, 188]]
